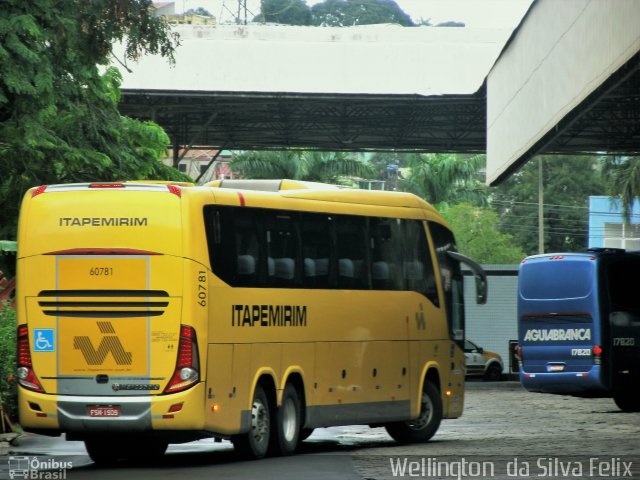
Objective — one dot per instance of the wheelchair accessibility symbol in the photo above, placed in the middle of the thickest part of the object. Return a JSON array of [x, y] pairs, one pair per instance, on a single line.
[[43, 340]]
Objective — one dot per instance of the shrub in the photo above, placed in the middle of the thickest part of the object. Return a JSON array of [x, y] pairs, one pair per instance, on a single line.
[[8, 385]]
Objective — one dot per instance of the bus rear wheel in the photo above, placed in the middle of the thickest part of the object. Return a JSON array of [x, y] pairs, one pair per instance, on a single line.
[[103, 451], [255, 443], [627, 402], [286, 434], [107, 451], [425, 426], [305, 433]]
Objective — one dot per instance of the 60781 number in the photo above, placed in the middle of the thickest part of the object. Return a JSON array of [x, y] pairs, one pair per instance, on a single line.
[[101, 271], [202, 289]]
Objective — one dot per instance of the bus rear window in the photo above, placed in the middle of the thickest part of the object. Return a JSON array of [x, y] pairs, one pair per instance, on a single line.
[[554, 280]]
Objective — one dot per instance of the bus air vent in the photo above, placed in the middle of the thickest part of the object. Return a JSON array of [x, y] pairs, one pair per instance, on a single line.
[[103, 303]]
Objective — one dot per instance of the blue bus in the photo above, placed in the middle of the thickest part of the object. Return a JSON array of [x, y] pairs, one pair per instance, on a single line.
[[579, 325]]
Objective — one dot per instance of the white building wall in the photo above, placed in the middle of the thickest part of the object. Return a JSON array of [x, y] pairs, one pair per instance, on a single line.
[[491, 326]]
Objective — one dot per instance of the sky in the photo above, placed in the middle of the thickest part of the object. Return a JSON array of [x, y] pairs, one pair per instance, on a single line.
[[474, 13]]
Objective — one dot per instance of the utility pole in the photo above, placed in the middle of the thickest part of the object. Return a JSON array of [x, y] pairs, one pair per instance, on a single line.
[[239, 16], [540, 207]]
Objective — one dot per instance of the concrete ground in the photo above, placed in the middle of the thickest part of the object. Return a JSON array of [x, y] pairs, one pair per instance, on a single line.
[[520, 434]]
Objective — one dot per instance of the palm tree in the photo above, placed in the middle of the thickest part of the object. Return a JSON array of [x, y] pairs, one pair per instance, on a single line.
[[622, 176], [329, 167], [447, 178]]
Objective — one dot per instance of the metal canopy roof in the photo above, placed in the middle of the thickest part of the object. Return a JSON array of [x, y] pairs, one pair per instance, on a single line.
[[263, 121], [374, 87], [198, 106], [607, 121]]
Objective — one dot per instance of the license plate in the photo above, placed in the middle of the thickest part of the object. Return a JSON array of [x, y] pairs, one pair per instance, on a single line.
[[104, 411]]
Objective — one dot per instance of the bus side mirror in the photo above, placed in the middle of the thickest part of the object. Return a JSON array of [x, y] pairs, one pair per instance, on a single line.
[[479, 274]]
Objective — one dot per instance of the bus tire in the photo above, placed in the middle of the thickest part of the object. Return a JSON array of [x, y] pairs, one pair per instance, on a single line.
[[305, 433], [425, 426], [627, 402], [255, 443], [150, 450], [286, 431], [104, 452]]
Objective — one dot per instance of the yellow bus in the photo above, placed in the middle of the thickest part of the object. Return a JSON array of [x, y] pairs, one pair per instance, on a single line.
[[253, 311]]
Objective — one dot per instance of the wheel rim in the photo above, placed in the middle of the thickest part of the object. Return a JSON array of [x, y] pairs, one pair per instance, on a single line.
[[259, 422], [289, 420], [426, 414]]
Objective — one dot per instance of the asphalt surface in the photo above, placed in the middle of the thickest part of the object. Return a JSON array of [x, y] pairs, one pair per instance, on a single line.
[[505, 432]]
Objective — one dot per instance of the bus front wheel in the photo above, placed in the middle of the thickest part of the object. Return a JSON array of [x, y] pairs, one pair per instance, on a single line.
[[286, 433], [425, 426], [255, 443]]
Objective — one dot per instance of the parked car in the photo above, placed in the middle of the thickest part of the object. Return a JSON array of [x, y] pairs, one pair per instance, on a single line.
[[482, 363]]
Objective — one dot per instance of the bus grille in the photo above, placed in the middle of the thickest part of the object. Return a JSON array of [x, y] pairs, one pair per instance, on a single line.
[[103, 303]]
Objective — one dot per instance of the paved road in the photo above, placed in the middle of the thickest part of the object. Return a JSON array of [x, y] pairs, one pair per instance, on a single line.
[[502, 423]]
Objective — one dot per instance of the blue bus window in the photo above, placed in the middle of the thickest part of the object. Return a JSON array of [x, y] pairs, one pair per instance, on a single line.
[[571, 279]]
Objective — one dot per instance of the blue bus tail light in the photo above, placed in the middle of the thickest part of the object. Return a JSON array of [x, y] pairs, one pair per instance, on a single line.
[[597, 354]]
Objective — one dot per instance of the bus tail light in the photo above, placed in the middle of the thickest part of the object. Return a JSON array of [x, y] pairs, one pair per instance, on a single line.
[[187, 372], [175, 189], [106, 185], [597, 354], [38, 191], [26, 377]]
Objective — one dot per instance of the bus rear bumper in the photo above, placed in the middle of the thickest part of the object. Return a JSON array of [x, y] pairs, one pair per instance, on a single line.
[[565, 383], [87, 414]]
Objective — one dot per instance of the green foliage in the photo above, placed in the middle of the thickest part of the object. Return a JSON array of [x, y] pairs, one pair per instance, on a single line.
[[622, 178], [199, 11], [478, 236], [59, 120], [446, 177], [346, 13], [329, 167], [568, 181], [8, 387], [288, 12]]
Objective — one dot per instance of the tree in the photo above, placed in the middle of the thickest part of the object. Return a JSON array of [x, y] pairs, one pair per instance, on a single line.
[[329, 167], [59, 119], [568, 182], [203, 12], [478, 236], [288, 12], [450, 178], [622, 178], [346, 13]]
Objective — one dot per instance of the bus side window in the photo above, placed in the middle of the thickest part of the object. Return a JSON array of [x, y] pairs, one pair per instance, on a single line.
[[418, 269], [246, 248], [234, 246], [281, 248], [386, 242], [351, 252], [315, 236]]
